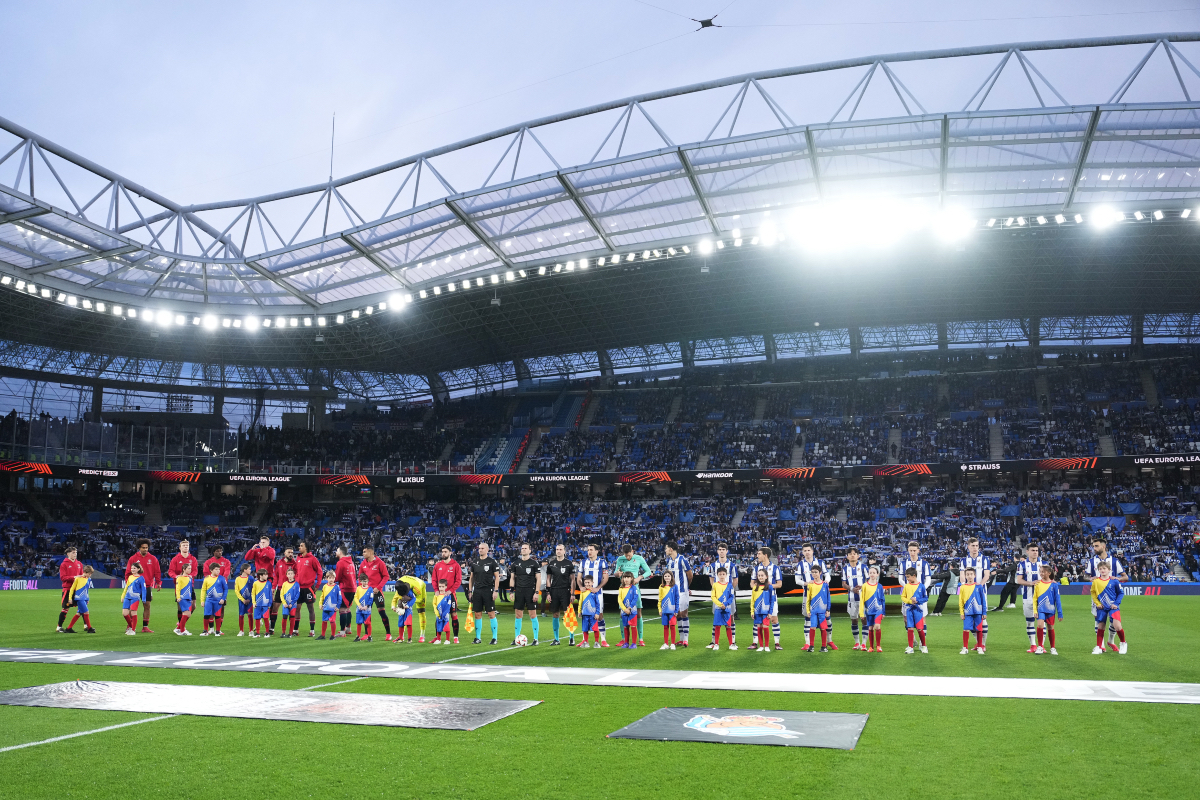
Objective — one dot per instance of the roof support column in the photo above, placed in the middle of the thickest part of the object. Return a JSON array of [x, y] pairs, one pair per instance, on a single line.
[[687, 353], [769, 348], [316, 413], [524, 377], [606, 365], [856, 341], [1137, 334], [437, 388], [1035, 338], [97, 402]]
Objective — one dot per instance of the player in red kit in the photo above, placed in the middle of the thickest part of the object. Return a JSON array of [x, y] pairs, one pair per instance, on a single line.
[[181, 559], [377, 577], [448, 570], [262, 557], [70, 569], [308, 575], [151, 574], [278, 579], [346, 577], [218, 558]]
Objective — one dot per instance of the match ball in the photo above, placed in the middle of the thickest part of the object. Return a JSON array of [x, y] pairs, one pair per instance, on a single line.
[[522, 641]]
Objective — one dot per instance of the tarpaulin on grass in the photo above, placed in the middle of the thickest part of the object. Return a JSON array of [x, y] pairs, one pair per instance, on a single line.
[[744, 726], [446, 713]]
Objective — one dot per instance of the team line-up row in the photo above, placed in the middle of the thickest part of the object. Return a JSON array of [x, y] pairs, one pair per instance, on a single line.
[[265, 595]]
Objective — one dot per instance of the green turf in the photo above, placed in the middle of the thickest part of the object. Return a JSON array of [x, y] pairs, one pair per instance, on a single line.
[[912, 746]]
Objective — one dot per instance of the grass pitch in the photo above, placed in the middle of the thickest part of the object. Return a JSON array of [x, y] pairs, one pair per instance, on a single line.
[[911, 746]]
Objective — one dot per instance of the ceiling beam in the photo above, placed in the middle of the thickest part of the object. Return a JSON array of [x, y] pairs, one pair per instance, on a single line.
[[569, 188], [479, 234], [377, 261], [84, 259], [687, 167]]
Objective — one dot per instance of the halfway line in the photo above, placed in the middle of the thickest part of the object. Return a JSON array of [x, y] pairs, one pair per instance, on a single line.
[[85, 733], [335, 683]]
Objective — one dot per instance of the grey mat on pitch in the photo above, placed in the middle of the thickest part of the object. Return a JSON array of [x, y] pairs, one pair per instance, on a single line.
[[447, 713], [744, 726]]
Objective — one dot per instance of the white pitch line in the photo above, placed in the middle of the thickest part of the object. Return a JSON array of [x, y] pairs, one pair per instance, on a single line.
[[85, 733], [335, 683]]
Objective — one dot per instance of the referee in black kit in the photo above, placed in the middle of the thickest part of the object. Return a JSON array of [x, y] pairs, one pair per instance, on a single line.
[[560, 572], [525, 574], [483, 589]]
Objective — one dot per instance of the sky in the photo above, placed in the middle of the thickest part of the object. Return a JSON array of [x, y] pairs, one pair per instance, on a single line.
[[221, 100]]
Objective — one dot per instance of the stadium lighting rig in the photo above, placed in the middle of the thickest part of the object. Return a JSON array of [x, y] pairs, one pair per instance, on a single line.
[[829, 227]]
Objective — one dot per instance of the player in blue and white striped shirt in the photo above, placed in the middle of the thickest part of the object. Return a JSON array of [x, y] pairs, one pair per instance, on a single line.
[[775, 577], [854, 575], [983, 573], [1028, 573], [809, 565], [681, 570], [924, 573], [596, 568], [1091, 568]]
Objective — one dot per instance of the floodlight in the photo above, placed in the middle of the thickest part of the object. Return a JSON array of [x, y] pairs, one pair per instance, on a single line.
[[295, 323], [1041, 220], [321, 322], [1158, 215], [251, 323], [341, 318], [736, 233], [1187, 212], [706, 247], [226, 322], [509, 276], [210, 322], [1078, 218], [1139, 216], [1060, 219], [308, 322], [72, 300], [541, 271]]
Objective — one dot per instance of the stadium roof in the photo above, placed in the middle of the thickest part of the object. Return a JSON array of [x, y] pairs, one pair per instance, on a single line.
[[88, 249]]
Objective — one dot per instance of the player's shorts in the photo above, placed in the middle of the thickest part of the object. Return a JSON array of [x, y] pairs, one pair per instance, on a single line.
[[244, 608], [483, 601], [278, 598], [82, 606], [524, 599], [130, 605], [379, 601], [347, 600], [1103, 615], [404, 618], [185, 605], [1029, 608], [721, 617], [306, 596], [327, 616], [817, 620], [66, 592], [775, 607], [442, 624], [761, 619], [149, 594], [684, 601], [852, 602], [361, 617], [913, 617], [972, 621], [588, 623], [871, 620], [925, 609], [628, 619], [560, 600], [668, 620], [261, 612], [1048, 616], [213, 608]]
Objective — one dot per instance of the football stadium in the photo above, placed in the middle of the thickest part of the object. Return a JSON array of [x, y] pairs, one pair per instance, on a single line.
[[883, 365]]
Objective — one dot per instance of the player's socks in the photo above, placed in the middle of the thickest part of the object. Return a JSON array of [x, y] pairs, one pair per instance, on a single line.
[[1052, 636], [732, 626], [274, 620], [554, 625], [409, 629], [685, 628], [387, 623], [1040, 635], [641, 628], [517, 625], [1100, 638], [824, 636], [145, 618], [534, 623], [603, 634], [494, 624], [716, 634], [666, 633], [921, 633], [985, 631], [775, 631], [454, 624], [585, 637], [979, 634], [910, 637], [1121, 634], [966, 638]]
